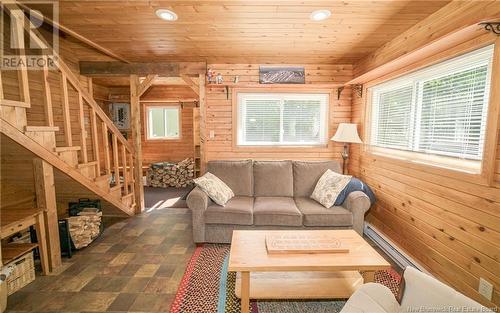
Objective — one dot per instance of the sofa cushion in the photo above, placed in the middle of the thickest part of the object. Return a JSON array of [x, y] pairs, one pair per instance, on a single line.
[[238, 175], [273, 178], [276, 211], [314, 214], [238, 211], [329, 187], [307, 173]]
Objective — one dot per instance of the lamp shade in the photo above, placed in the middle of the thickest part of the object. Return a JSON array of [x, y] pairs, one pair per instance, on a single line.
[[347, 133]]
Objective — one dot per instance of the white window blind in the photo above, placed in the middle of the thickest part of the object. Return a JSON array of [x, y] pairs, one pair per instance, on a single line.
[[163, 122], [440, 110], [282, 119]]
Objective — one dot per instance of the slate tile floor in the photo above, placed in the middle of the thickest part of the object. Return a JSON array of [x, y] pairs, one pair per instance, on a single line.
[[135, 266]]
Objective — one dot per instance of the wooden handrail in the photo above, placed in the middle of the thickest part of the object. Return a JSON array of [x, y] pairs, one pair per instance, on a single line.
[[72, 78], [121, 148], [91, 102]]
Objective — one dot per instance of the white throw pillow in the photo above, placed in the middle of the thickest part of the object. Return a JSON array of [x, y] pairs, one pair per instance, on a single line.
[[215, 188], [329, 187]]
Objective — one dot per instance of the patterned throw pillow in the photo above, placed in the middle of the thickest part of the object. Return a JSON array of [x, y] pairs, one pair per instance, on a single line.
[[215, 188], [329, 187]]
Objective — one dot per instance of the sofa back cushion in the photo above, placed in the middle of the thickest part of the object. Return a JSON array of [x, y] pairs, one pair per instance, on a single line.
[[307, 173], [273, 178], [237, 175]]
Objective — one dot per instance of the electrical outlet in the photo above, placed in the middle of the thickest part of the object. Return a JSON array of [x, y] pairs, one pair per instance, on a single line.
[[485, 288], [212, 134]]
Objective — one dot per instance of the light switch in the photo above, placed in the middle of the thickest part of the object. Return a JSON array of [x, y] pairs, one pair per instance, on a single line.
[[212, 134]]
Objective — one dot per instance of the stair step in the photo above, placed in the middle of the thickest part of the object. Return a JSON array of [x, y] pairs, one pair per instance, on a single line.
[[41, 128], [116, 191], [64, 149], [128, 199], [14, 103], [103, 182], [83, 165]]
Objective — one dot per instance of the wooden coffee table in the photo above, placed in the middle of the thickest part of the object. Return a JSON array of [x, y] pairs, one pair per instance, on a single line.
[[300, 276]]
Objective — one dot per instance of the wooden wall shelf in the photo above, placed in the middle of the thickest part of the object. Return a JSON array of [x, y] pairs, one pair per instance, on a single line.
[[273, 86], [13, 251]]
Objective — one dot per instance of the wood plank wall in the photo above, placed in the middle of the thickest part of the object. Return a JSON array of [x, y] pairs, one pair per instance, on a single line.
[[163, 150], [219, 114], [169, 150], [450, 226]]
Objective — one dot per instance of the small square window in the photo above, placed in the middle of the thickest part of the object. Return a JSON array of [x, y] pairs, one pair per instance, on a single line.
[[163, 122]]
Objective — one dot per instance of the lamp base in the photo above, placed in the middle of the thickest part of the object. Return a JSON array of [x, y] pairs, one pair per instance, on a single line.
[[345, 156]]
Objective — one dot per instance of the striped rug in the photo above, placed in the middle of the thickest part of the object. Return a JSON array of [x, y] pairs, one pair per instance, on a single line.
[[207, 286]]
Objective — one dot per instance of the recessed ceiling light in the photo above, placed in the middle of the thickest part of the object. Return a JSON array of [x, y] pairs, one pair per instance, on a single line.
[[320, 15], [166, 15]]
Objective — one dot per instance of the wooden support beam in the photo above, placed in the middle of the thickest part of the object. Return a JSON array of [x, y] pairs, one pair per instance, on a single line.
[[136, 138], [96, 68], [191, 84], [146, 83], [46, 201]]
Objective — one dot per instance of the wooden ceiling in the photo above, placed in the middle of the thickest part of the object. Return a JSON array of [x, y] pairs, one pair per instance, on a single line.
[[261, 31]]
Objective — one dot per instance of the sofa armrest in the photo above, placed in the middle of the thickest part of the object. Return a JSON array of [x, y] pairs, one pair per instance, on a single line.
[[198, 201], [371, 297], [358, 203], [422, 289]]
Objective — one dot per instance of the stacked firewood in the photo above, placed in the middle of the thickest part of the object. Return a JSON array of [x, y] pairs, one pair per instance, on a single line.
[[85, 227], [171, 174]]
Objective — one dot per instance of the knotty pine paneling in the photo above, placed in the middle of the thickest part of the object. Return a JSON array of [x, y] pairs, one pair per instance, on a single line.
[[163, 150], [451, 226], [219, 114]]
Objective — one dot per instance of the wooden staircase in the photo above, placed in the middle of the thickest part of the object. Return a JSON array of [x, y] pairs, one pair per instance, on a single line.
[[92, 151]]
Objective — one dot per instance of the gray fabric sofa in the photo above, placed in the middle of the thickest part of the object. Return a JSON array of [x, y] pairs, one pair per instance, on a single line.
[[271, 195]]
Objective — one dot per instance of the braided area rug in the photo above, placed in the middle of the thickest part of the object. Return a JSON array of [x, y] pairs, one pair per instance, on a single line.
[[207, 286]]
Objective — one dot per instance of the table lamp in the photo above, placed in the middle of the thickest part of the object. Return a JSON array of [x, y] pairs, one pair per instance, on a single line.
[[346, 133]]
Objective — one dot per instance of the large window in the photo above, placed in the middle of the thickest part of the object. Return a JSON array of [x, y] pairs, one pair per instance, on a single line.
[[286, 119], [440, 110], [163, 122]]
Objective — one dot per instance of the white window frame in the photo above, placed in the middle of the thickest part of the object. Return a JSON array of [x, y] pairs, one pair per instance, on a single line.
[[416, 78], [281, 96], [149, 130]]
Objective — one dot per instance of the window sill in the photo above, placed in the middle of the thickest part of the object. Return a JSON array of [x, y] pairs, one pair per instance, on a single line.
[[163, 139], [468, 167]]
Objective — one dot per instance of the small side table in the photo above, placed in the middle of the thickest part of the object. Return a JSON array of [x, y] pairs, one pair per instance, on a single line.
[[15, 220]]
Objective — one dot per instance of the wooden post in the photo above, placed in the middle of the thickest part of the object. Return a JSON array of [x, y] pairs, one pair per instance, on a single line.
[[49, 114], [46, 201], [66, 114], [115, 160], [136, 137], [107, 162], [95, 140], [83, 132], [125, 171], [202, 95]]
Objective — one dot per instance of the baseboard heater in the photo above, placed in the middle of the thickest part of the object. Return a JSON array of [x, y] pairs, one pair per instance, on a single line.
[[390, 248]]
